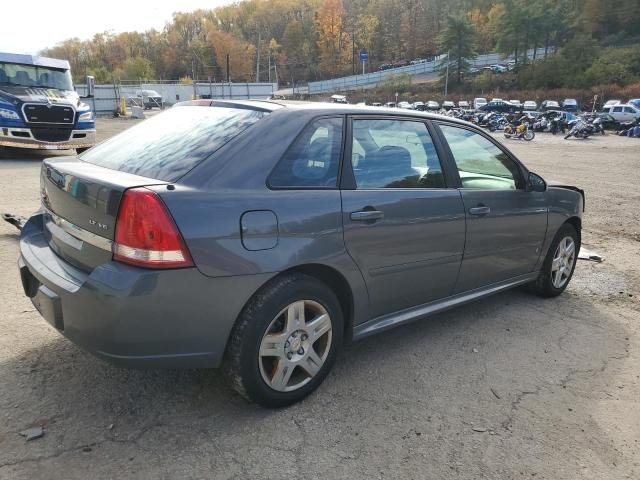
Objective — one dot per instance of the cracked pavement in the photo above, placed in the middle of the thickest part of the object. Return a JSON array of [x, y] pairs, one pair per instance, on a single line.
[[551, 386]]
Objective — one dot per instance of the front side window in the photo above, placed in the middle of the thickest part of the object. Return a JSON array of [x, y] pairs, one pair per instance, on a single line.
[[481, 164], [313, 160], [394, 154]]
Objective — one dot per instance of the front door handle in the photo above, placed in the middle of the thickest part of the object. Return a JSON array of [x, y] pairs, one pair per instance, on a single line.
[[367, 215], [480, 210]]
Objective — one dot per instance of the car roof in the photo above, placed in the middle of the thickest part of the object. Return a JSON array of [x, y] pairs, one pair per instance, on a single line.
[[323, 108]]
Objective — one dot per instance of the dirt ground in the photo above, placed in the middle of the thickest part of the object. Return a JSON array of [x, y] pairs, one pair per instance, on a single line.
[[510, 387]]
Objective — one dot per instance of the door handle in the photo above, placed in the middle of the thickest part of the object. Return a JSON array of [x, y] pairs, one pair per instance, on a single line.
[[480, 210], [366, 215]]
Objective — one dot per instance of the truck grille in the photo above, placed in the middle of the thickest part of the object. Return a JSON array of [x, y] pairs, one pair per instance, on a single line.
[[51, 133], [46, 113]]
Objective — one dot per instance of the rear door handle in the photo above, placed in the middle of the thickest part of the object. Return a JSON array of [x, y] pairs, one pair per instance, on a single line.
[[367, 215], [480, 210]]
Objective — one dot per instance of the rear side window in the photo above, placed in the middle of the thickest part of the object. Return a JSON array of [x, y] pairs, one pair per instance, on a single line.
[[168, 145], [313, 160]]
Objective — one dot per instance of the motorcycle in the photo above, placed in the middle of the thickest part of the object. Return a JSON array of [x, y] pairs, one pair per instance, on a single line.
[[579, 129], [520, 131], [595, 123]]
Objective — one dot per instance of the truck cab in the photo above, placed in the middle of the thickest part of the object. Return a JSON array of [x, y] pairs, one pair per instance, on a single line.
[[39, 107]]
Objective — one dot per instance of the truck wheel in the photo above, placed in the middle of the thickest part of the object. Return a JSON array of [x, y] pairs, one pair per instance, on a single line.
[[285, 341], [559, 263]]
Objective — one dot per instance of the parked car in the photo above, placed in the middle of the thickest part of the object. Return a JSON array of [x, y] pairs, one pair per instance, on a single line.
[[530, 105], [610, 103], [497, 100], [390, 104], [400, 63], [498, 68], [474, 71], [405, 105], [265, 257], [499, 106], [608, 122], [463, 104], [433, 105], [570, 104], [635, 102], [385, 66], [550, 105], [624, 113], [479, 102], [148, 99], [420, 106], [517, 103], [448, 105], [376, 104], [339, 99]]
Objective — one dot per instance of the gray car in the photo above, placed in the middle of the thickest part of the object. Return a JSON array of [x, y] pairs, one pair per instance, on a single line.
[[261, 236]]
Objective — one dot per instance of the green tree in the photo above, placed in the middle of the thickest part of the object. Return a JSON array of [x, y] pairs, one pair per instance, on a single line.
[[458, 39], [137, 68]]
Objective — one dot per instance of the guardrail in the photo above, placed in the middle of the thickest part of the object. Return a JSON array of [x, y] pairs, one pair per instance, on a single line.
[[353, 82]]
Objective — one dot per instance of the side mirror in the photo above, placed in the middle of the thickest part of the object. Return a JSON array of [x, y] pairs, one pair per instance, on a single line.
[[90, 82], [536, 183]]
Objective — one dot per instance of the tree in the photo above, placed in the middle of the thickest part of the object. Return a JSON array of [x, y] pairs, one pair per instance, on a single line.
[[458, 39], [333, 42], [137, 68]]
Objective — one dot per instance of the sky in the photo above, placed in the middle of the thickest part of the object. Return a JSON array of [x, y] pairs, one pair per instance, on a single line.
[[43, 23]]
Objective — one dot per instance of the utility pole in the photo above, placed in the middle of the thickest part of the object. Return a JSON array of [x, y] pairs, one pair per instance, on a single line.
[[193, 78], [228, 76], [258, 60], [269, 65], [446, 78]]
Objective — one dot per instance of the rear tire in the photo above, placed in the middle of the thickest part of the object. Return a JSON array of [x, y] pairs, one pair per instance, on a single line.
[[276, 355], [558, 267]]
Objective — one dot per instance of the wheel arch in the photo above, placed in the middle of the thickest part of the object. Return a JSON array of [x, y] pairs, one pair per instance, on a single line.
[[338, 284], [576, 222]]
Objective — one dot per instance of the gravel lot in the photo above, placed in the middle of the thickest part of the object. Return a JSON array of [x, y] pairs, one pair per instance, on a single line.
[[510, 387]]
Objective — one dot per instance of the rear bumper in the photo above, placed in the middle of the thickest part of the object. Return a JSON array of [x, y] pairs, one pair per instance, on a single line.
[[130, 316], [81, 138]]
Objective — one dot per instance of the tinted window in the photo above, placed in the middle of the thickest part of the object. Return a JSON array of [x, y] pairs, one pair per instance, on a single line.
[[481, 164], [313, 160], [394, 154], [170, 144]]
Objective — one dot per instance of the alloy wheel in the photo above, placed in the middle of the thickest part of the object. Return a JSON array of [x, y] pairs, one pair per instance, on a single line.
[[563, 260], [295, 345]]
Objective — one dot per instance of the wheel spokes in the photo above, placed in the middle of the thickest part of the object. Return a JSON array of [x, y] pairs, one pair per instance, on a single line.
[[317, 327], [311, 363], [273, 345], [282, 375], [295, 317]]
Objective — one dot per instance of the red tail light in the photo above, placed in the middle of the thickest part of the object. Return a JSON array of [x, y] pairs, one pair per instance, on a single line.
[[146, 234]]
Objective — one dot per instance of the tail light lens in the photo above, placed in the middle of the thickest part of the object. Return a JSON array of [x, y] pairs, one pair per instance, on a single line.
[[146, 234]]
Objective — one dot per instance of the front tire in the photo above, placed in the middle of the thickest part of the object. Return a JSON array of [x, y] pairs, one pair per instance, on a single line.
[[529, 135], [285, 341], [559, 263]]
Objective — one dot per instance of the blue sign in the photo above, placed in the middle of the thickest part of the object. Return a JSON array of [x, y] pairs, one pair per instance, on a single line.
[[364, 55]]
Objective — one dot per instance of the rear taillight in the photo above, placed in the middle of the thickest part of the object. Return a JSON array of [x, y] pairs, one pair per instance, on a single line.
[[146, 235]]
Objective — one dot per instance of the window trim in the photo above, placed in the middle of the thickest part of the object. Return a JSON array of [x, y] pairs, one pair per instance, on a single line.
[[524, 172], [348, 177], [341, 156]]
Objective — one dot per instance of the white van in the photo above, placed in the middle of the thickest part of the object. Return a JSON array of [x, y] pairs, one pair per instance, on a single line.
[[479, 102]]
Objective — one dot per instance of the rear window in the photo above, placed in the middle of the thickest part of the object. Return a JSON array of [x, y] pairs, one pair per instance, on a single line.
[[170, 144]]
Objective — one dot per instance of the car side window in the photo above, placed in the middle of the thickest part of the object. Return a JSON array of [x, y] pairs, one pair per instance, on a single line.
[[313, 160], [394, 154], [481, 164]]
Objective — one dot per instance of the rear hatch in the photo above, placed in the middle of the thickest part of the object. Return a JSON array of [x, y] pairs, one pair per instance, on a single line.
[[80, 202]]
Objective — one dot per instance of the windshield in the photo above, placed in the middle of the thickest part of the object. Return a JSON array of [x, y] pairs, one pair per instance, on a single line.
[[170, 144], [33, 76]]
